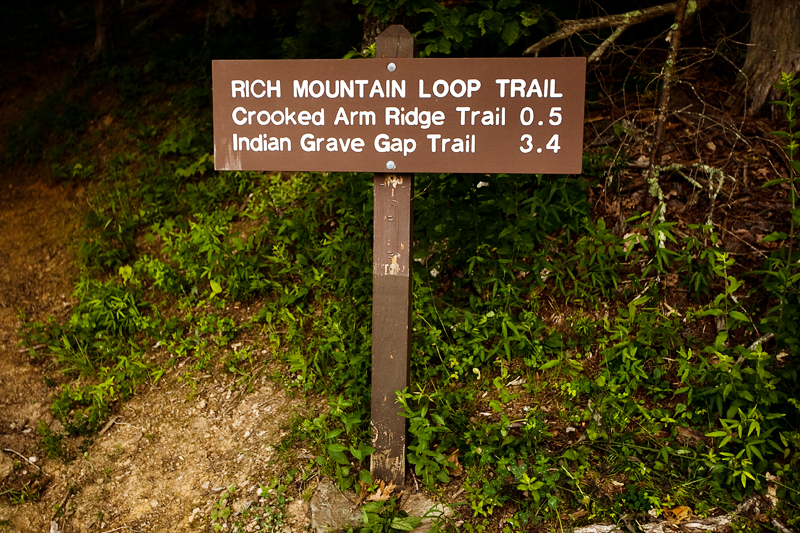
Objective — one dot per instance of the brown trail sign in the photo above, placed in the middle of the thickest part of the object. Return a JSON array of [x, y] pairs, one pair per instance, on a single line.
[[510, 115], [403, 115]]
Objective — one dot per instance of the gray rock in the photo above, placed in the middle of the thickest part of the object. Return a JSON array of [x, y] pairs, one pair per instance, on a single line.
[[425, 508], [6, 466], [331, 510]]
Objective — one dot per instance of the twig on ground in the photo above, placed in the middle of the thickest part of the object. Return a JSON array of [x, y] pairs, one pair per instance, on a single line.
[[27, 461], [108, 425], [60, 506], [729, 232], [34, 348], [761, 340]]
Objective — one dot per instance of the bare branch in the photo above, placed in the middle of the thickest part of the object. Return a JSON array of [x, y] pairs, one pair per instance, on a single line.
[[621, 22], [571, 27], [608, 42], [668, 75]]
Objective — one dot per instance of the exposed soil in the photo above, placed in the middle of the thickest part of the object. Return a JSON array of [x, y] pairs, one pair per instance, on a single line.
[[169, 452]]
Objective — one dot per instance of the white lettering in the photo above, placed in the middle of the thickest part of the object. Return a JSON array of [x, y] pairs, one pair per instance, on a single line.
[[502, 83], [472, 86], [261, 143], [517, 86], [422, 93], [526, 111], [301, 90], [398, 89], [377, 89], [239, 122], [553, 93], [347, 88], [253, 89], [453, 88], [328, 92], [361, 84], [443, 92], [534, 89], [433, 137], [463, 111], [341, 116], [276, 89], [307, 143], [382, 143], [319, 93], [237, 86]]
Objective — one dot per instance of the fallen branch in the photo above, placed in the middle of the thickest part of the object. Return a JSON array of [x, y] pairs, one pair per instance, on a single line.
[[718, 524], [570, 27], [27, 460], [621, 22], [598, 53], [34, 348], [108, 425]]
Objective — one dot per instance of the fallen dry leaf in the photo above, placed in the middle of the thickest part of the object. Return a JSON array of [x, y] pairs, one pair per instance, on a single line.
[[383, 493], [678, 514], [453, 458]]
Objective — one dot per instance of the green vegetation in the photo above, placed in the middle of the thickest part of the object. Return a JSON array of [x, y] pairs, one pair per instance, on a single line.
[[548, 359]]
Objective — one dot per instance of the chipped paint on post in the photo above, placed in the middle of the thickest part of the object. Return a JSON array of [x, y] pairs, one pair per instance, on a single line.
[[391, 302], [391, 316]]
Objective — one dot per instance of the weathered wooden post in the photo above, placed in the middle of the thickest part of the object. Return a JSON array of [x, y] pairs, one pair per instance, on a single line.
[[391, 304]]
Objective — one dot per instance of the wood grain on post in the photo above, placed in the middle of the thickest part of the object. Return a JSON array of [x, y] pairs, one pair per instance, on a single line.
[[391, 303]]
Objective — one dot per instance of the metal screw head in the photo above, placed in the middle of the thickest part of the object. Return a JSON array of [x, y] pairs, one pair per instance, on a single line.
[[392, 67], [390, 165]]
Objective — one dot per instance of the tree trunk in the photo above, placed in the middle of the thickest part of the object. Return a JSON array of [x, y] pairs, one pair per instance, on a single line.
[[221, 13], [372, 28], [105, 14], [774, 48]]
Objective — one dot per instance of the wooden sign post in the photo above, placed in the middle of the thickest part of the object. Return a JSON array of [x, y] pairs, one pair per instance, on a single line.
[[391, 303], [395, 115]]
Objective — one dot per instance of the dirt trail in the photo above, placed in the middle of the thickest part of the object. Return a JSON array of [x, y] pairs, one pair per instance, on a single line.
[[172, 449]]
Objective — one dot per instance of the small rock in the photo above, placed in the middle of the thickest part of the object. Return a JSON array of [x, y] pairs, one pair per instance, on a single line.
[[201, 404], [6, 466], [425, 508], [154, 504], [331, 511], [206, 485]]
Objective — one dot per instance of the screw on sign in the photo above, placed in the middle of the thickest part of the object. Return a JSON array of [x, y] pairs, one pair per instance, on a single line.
[[396, 115]]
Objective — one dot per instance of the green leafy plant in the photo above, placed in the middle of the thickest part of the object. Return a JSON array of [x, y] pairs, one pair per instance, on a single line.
[[222, 509]]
